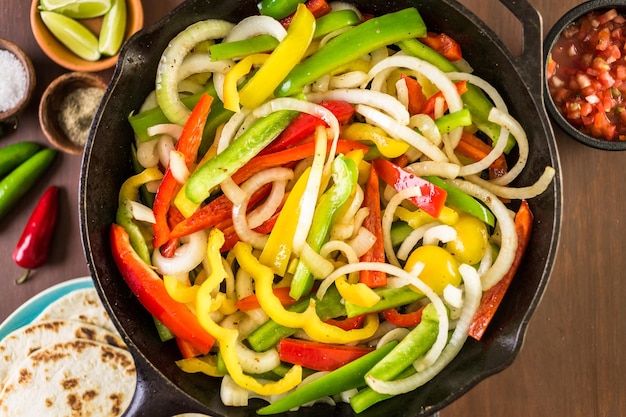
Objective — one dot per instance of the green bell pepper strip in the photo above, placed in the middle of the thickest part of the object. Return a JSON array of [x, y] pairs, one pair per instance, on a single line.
[[389, 298], [367, 397], [236, 155], [334, 21], [448, 122], [463, 201], [345, 174], [400, 230], [270, 332], [474, 99], [347, 377], [278, 9], [345, 48], [124, 217], [243, 47]]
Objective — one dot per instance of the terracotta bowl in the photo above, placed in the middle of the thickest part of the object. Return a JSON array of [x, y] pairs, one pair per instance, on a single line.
[[30, 79], [51, 104], [57, 52]]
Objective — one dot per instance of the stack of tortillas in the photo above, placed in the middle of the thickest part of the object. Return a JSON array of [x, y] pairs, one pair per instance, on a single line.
[[70, 361]]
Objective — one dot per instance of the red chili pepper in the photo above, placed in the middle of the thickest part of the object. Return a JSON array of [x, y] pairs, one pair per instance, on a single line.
[[295, 153], [443, 44], [34, 245], [373, 223], [392, 315], [188, 144], [318, 356], [432, 199], [493, 296], [305, 124], [149, 289]]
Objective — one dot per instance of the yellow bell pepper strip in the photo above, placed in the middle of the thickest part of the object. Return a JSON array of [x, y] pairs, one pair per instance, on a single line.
[[388, 147], [358, 294], [286, 55], [240, 70], [432, 199], [124, 217], [308, 320], [277, 251], [206, 365], [347, 377], [351, 45], [228, 338], [419, 217], [345, 174], [237, 154], [244, 47], [149, 289], [179, 291]]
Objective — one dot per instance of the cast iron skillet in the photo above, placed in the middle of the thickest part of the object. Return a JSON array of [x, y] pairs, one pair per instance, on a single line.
[[163, 390]]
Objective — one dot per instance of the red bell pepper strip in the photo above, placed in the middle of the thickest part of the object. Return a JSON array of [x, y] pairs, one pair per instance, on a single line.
[[493, 296], [392, 315], [348, 323], [417, 98], [476, 149], [443, 44], [373, 223], [432, 199], [188, 144], [429, 106], [318, 356], [214, 213], [318, 7], [296, 153], [251, 302], [186, 349], [305, 124], [33, 247], [149, 289]]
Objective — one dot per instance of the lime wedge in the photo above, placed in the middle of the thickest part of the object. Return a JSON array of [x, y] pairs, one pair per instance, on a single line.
[[74, 35], [113, 28], [77, 9]]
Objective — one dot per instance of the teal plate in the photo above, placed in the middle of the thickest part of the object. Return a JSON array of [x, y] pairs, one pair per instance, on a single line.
[[28, 311]]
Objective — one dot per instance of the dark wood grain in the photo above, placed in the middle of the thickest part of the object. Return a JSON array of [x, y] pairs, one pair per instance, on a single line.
[[574, 358]]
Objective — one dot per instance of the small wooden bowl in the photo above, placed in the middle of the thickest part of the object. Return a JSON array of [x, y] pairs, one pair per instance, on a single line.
[[51, 104], [30, 79], [57, 52]]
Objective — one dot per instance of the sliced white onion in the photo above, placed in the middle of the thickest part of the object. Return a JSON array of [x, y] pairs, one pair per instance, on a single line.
[[427, 126], [401, 132], [164, 147], [201, 62], [257, 362], [342, 5], [391, 106], [320, 267], [387, 220], [471, 302], [453, 296], [149, 103], [440, 169], [397, 334], [256, 25], [141, 212], [146, 153], [412, 239], [509, 123], [362, 242], [230, 129], [518, 193], [341, 246], [178, 166], [441, 233], [171, 129], [263, 212], [351, 79], [479, 166], [402, 92], [343, 228], [186, 257]]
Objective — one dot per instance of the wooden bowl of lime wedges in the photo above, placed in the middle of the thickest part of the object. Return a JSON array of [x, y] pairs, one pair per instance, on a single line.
[[84, 35]]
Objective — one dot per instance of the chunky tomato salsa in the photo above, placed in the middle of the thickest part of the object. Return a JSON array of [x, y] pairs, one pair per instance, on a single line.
[[587, 74]]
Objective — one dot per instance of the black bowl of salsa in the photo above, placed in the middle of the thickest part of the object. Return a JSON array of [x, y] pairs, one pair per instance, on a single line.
[[585, 74]]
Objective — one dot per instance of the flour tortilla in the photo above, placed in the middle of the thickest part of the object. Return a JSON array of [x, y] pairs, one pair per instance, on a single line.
[[21, 342], [82, 305], [74, 378]]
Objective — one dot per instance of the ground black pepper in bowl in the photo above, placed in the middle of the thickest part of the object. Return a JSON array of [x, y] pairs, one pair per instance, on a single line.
[[77, 111]]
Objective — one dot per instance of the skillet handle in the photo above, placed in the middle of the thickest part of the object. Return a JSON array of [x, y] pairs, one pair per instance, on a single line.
[[531, 61]]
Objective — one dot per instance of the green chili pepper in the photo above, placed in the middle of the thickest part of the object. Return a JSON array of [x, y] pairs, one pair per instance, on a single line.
[[345, 48], [464, 201], [347, 377], [15, 185], [475, 100], [12, 156], [345, 174], [389, 297], [240, 151], [448, 122], [244, 47], [270, 332], [334, 21], [278, 8]]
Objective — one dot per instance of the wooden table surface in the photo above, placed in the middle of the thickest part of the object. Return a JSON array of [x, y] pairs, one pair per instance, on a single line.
[[573, 361]]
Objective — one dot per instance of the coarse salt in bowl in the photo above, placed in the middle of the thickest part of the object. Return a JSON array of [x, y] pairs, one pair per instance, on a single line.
[[18, 79]]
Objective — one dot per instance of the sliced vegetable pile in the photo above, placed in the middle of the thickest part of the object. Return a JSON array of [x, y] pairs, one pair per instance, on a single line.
[[318, 212]]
